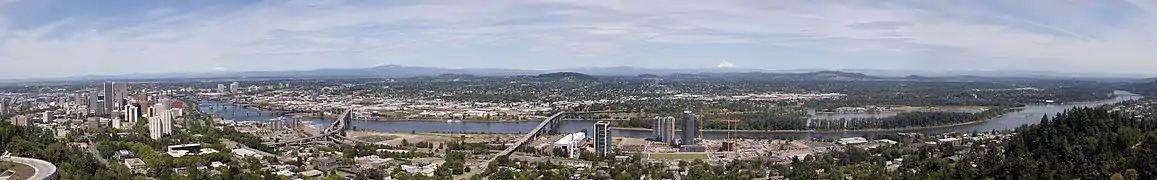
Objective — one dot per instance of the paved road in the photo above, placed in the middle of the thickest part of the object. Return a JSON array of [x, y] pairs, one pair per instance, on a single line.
[[44, 169], [96, 153]]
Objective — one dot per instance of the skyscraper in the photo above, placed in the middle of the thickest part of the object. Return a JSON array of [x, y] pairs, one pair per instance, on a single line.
[[109, 95], [143, 99], [47, 117], [221, 88], [94, 102], [690, 134], [602, 131], [120, 94]]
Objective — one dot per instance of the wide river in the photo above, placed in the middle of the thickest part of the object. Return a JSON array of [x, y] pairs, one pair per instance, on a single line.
[[1029, 115]]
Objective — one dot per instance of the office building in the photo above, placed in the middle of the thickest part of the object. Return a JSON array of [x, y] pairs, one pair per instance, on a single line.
[[94, 102], [162, 106], [235, 87], [108, 102], [221, 88], [143, 100], [20, 120], [602, 131], [46, 117], [120, 94]]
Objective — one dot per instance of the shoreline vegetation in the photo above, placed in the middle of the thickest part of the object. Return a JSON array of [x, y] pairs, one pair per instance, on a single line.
[[822, 131]]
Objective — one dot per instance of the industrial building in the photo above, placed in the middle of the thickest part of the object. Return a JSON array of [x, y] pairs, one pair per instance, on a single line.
[[602, 131], [571, 143]]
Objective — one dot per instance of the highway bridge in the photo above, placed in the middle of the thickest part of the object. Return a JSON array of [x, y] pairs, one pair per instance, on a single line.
[[551, 123], [335, 132]]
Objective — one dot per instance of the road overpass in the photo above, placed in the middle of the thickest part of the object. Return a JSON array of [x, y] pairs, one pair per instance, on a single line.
[[335, 132]]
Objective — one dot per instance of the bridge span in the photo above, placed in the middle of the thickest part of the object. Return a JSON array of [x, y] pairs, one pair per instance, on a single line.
[[335, 132]]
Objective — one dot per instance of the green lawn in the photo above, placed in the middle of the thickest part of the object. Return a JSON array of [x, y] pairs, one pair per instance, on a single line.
[[685, 156]]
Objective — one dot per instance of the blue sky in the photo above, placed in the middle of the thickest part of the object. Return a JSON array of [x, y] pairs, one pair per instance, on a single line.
[[51, 38]]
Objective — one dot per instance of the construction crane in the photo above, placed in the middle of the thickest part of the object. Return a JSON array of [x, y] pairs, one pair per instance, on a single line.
[[730, 143]]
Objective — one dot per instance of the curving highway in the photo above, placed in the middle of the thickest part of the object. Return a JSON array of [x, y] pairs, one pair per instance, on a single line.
[[335, 131], [44, 169]]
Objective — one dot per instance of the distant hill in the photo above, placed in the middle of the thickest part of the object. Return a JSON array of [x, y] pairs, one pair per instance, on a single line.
[[647, 76], [566, 75], [397, 71]]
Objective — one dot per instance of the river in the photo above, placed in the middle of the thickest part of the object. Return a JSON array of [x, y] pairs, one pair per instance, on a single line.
[[1029, 115]]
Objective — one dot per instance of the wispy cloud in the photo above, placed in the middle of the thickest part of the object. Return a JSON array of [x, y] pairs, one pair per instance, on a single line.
[[59, 39]]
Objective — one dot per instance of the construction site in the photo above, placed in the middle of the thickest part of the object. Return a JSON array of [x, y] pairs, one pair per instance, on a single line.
[[670, 144]]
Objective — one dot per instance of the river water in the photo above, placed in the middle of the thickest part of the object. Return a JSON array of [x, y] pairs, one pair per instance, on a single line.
[[1029, 115]]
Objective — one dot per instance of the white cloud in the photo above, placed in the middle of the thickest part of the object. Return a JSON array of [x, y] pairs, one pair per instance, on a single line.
[[328, 34]]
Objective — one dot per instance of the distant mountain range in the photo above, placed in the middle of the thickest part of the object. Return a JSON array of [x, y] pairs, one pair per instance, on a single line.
[[396, 71]]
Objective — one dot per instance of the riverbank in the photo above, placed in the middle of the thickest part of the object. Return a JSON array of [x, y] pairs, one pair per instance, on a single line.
[[821, 131]]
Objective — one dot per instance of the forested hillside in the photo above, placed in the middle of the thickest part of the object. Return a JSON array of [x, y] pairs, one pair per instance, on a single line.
[[1080, 144]]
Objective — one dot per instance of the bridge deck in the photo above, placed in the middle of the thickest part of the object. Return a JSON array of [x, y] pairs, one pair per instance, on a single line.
[[526, 138], [338, 126]]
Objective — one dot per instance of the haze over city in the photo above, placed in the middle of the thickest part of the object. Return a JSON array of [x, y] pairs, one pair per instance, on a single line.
[[59, 39]]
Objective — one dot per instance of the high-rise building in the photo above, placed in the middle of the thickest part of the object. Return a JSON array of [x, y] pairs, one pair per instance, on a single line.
[[155, 131], [109, 102], [20, 120], [664, 129], [4, 106], [132, 114], [94, 102], [690, 132], [162, 106], [277, 124], [143, 99], [235, 87], [602, 131], [46, 117], [657, 128], [167, 123], [221, 88], [120, 94], [160, 125], [667, 130]]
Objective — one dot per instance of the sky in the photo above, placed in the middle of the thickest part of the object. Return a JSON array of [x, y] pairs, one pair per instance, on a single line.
[[56, 38]]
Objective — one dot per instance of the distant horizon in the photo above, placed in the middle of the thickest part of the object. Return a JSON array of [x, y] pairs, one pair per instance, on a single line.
[[877, 72], [47, 39]]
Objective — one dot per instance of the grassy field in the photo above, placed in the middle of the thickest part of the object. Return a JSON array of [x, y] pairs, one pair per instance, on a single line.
[[684, 156]]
